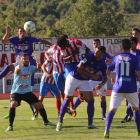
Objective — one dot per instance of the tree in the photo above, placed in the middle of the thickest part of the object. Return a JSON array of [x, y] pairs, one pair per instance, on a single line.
[[85, 19]]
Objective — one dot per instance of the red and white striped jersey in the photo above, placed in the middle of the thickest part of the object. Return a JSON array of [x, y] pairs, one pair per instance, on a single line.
[[49, 68], [74, 44], [138, 46], [57, 57]]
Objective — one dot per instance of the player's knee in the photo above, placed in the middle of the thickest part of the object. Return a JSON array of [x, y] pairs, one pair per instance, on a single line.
[[58, 97], [103, 98], [39, 105], [13, 104]]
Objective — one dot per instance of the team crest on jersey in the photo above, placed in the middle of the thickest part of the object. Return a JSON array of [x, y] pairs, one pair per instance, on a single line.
[[84, 60], [23, 46], [24, 76], [23, 86]]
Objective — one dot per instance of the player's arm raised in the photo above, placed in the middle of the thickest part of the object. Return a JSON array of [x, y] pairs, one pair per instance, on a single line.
[[43, 41], [49, 59], [5, 39], [81, 70], [36, 57], [19, 62]]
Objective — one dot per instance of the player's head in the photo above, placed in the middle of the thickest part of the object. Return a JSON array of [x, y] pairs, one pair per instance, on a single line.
[[136, 32], [62, 42], [25, 59], [66, 36], [126, 44], [99, 52], [21, 32], [96, 43], [134, 42]]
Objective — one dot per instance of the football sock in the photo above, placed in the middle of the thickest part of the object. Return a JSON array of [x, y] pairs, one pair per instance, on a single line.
[[63, 109], [109, 119], [71, 102], [90, 111], [5, 71], [137, 120], [11, 116], [77, 102], [58, 105], [43, 114], [128, 112], [103, 108], [36, 113]]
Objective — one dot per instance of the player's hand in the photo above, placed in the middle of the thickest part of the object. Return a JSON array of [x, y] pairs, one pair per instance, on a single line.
[[98, 87], [49, 76], [19, 61], [36, 56], [95, 76], [75, 52], [113, 80], [8, 29], [108, 60]]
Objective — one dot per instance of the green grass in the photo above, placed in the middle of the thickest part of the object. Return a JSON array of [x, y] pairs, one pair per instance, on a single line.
[[73, 128]]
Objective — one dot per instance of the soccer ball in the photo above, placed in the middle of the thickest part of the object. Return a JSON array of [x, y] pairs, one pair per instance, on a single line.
[[29, 26]]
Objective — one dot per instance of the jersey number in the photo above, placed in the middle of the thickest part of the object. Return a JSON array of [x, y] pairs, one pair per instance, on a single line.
[[126, 72]]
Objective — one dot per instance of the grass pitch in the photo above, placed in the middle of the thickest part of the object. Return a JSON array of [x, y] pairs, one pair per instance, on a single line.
[[73, 128]]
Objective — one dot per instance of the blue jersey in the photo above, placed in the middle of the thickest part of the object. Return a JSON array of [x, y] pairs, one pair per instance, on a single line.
[[22, 82], [125, 65], [106, 55], [91, 65], [23, 46]]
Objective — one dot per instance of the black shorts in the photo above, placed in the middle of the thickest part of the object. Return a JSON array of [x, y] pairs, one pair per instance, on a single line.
[[28, 97]]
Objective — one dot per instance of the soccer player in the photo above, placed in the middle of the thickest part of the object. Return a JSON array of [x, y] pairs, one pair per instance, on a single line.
[[21, 89], [48, 85], [103, 79], [22, 44], [79, 78], [71, 50], [136, 33], [124, 85], [135, 52], [53, 55]]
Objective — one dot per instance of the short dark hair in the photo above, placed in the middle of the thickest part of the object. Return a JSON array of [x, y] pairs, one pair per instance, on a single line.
[[61, 40], [102, 49], [134, 39], [136, 29], [97, 40], [66, 36], [24, 55], [126, 44], [21, 27]]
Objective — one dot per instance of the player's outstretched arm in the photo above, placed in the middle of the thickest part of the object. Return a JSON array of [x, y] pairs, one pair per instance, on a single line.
[[5, 39], [109, 74], [19, 62], [81, 70], [45, 42], [36, 57]]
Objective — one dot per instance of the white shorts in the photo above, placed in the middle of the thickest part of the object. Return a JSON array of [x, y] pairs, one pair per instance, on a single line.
[[117, 98], [101, 91], [71, 84]]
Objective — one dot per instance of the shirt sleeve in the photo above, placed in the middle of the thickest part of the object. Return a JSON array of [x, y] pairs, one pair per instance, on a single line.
[[12, 39], [85, 61], [80, 45], [34, 39]]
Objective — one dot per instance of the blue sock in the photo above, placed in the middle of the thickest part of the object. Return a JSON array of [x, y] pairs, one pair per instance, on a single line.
[[63, 109], [77, 102], [128, 112], [137, 120], [103, 108], [90, 111], [5, 71], [109, 119]]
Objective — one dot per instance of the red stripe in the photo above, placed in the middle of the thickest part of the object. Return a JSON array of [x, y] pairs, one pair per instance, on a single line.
[[60, 62]]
